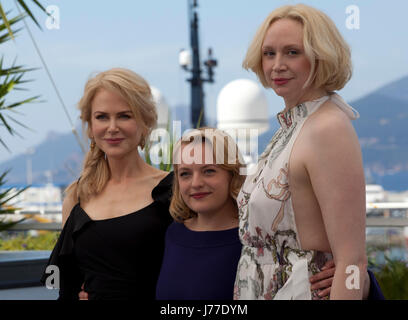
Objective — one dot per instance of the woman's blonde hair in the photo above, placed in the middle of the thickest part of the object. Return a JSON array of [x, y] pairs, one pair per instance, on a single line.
[[136, 92], [225, 154], [328, 53]]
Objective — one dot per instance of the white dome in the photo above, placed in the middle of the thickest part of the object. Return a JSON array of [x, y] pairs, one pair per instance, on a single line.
[[161, 106], [242, 104]]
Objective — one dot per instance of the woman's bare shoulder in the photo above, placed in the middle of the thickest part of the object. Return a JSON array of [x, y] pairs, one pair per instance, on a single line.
[[328, 122]]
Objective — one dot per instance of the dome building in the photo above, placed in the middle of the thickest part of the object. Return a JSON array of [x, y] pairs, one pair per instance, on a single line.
[[242, 111]]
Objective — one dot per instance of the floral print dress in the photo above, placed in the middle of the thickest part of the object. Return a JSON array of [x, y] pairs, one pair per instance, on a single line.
[[272, 263]]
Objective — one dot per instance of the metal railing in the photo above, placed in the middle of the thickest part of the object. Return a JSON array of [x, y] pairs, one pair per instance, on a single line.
[[48, 226], [379, 214]]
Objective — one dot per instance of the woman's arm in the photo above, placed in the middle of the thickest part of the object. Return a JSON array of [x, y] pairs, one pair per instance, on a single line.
[[334, 165], [323, 280]]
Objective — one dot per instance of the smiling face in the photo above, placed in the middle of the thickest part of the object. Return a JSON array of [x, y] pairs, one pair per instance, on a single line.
[[204, 187], [284, 62], [113, 126]]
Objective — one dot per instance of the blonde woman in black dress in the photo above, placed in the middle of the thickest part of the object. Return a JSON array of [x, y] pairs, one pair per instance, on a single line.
[[115, 216]]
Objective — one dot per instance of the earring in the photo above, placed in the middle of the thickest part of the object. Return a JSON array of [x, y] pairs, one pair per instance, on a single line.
[[142, 142], [93, 144]]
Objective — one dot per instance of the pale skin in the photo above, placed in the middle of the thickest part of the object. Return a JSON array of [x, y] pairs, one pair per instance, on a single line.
[[325, 168], [216, 209]]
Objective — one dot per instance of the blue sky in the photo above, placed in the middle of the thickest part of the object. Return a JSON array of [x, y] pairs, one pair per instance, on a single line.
[[146, 36]]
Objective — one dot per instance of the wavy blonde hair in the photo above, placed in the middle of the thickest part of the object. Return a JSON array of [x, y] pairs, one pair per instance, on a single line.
[[136, 92], [328, 53], [226, 155]]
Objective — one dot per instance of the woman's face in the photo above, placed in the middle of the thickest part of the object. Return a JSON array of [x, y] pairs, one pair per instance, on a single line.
[[204, 187], [285, 65], [114, 127]]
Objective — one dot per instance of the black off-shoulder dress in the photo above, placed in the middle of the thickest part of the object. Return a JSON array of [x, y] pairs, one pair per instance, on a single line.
[[117, 258]]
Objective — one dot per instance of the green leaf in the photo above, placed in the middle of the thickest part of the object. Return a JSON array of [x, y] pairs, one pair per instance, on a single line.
[[28, 11], [20, 123], [6, 22]]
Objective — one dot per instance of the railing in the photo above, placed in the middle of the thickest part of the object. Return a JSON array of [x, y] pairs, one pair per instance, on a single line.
[[370, 222], [386, 222], [379, 214], [56, 226], [49, 226], [19, 273], [387, 214]]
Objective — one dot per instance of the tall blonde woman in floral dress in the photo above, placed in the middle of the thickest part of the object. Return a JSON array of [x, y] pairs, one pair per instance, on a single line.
[[306, 202]]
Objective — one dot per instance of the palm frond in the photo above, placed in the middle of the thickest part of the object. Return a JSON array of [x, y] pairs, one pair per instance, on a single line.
[[8, 194], [6, 21], [5, 225], [28, 11], [12, 79], [4, 145], [5, 208], [20, 123], [7, 27]]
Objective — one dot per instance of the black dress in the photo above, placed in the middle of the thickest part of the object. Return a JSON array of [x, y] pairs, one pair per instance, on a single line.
[[117, 258]]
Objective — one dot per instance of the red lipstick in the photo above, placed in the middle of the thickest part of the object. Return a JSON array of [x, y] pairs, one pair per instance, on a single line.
[[280, 81], [114, 140], [200, 195]]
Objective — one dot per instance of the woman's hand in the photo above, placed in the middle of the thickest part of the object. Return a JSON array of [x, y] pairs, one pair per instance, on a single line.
[[83, 295], [323, 280]]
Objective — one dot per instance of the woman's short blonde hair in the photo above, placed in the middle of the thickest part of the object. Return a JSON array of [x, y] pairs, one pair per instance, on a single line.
[[225, 154], [328, 53], [136, 92]]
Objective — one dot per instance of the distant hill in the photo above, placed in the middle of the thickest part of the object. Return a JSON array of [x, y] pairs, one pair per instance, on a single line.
[[382, 130], [58, 158], [383, 134]]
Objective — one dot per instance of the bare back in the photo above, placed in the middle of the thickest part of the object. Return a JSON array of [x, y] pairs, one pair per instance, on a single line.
[[310, 221]]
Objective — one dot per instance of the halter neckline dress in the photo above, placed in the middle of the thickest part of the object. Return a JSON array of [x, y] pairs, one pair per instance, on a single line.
[[272, 263]]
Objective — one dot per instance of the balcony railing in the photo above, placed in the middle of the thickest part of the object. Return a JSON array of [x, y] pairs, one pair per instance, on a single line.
[[26, 272], [379, 214]]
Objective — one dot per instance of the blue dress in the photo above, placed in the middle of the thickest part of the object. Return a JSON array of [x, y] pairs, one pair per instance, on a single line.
[[198, 265]]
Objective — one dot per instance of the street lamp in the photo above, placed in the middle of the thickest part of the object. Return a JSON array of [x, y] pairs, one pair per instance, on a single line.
[[190, 61]]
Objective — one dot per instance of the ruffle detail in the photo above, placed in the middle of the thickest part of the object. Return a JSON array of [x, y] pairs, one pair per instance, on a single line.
[[289, 118], [62, 256], [163, 191], [64, 247]]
